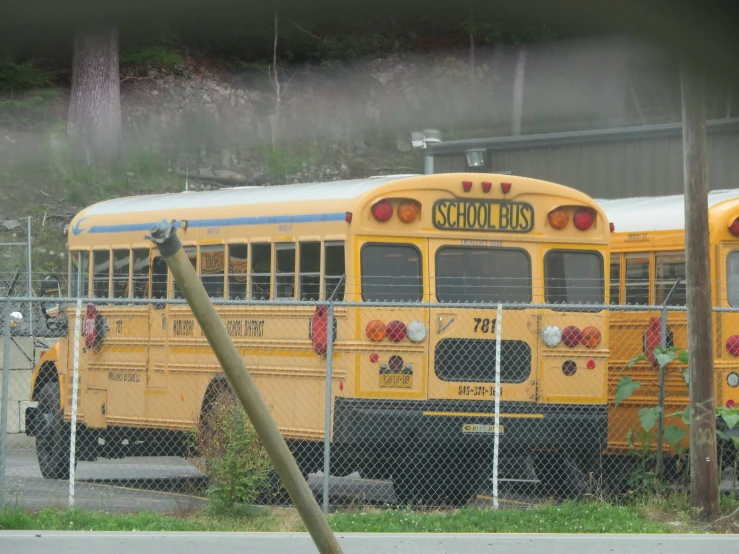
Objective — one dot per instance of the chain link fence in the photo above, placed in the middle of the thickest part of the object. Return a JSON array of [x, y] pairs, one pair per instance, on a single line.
[[386, 404]]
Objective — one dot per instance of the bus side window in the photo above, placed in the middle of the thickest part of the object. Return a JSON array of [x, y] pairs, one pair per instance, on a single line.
[[669, 266], [261, 277], [285, 270], [141, 274], [159, 278], [333, 270], [101, 274], [192, 253], [237, 271], [310, 271], [615, 278], [637, 279], [121, 266], [79, 271], [212, 264]]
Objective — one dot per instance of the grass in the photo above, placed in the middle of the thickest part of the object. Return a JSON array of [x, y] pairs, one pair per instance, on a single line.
[[572, 517]]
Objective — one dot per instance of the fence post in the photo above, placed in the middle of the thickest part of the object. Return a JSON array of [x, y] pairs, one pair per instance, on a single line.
[[4, 405], [329, 395], [30, 289], [75, 384], [496, 437]]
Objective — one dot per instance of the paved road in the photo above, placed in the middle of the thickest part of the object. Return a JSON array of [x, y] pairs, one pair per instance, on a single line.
[[29, 542]]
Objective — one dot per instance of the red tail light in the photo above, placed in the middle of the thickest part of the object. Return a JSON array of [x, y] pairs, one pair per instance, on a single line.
[[382, 211], [348, 217], [374, 357], [734, 227], [396, 331], [730, 403], [467, 186], [505, 187], [612, 226], [569, 368], [486, 186], [590, 364], [584, 219], [571, 336], [732, 345]]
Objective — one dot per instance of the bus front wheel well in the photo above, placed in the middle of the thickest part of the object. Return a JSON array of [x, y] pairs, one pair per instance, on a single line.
[[217, 386], [46, 374]]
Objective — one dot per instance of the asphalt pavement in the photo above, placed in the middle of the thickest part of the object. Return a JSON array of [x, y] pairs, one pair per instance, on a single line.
[[42, 542]]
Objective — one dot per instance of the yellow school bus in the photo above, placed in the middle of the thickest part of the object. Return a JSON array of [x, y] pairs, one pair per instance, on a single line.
[[647, 260], [414, 267]]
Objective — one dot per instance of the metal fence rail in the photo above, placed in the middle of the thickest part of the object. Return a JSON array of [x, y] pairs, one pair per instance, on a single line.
[[421, 404]]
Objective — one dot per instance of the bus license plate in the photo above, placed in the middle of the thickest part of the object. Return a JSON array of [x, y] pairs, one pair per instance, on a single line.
[[396, 381]]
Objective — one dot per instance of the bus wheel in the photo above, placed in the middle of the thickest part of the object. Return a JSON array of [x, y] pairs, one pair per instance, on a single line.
[[560, 474], [52, 435]]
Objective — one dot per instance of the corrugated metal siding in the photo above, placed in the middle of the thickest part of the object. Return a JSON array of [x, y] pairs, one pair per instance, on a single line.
[[612, 169]]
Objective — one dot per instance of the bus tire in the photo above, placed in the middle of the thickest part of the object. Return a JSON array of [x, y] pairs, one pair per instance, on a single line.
[[560, 474], [53, 447]]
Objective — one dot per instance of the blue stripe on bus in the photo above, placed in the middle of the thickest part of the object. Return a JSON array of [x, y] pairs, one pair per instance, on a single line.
[[224, 222]]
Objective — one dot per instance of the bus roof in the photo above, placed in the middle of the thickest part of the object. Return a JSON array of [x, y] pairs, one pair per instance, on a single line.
[[655, 213], [302, 192]]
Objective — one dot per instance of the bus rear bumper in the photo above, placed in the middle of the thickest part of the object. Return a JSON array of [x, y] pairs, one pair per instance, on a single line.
[[527, 427]]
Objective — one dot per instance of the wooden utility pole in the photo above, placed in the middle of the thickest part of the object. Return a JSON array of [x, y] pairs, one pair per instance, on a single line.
[[703, 463]]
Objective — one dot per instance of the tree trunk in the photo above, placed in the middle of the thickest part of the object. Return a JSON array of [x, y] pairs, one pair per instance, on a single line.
[[95, 106], [518, 88], [703, 463]]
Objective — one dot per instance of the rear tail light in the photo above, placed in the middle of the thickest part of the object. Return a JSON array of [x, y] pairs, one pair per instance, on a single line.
[[590, 364], [408, 211], [571, 336], [584, 219], [732, 379], [467, 186], [396, 331], [591, 337], [416, 331], [732, 345], [558, 218], [374, 357], [505, 187], [551, 335], [569, 368], [382, 211], [348, 217], [734, 227], [486, 186], [376, 330], [612, 227], [730, 403]]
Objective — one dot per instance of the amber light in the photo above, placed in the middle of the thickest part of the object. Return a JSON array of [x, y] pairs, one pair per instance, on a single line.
[[558, 218], [376, 330], [591, 337], [408, 211]]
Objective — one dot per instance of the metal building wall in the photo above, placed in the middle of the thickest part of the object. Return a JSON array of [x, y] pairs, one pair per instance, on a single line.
[[617, 163]]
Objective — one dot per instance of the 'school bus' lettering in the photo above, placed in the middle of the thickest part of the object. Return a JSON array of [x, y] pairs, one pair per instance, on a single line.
[[483, 215]]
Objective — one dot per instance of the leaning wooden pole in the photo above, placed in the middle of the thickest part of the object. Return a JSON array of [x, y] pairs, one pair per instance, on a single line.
[[703, 463], [165, 237]]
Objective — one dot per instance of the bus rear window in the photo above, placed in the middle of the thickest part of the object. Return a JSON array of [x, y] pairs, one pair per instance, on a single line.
[[483, 275], [573, 277], [732, 278], [391, 273]]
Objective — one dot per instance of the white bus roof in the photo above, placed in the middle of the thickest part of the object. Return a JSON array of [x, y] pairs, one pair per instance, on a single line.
[[243, 195], [655, 213]]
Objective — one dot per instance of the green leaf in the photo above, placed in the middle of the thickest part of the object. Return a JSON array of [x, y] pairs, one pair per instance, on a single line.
[[722, 435], [639, 358], [649, 416], [686, 377], [683, 357], [684, 415], [730, 416], [625, 388], [674, 434], [664, 357]]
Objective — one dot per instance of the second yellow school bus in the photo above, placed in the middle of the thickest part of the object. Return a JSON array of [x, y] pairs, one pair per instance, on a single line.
[[647, 261], [416, 266]]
